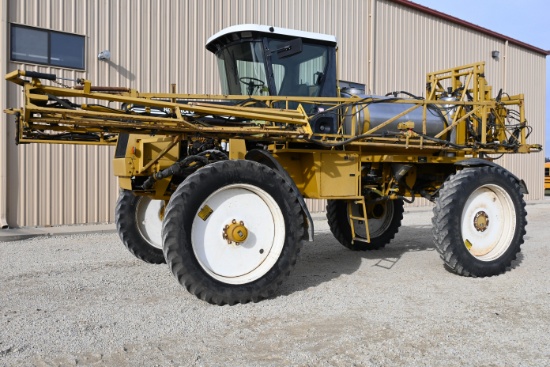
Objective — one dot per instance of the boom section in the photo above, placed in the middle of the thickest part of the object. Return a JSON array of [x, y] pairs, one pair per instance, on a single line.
[[457, 117]]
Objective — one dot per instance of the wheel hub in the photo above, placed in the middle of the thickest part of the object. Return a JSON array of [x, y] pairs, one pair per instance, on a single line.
[[378, 211], [235, 232], [481, 221]]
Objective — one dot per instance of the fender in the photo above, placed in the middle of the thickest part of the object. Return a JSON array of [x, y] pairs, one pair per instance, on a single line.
[[265, 158], [478, 162]]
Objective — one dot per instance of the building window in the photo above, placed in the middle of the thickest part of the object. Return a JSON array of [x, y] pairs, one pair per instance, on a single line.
[[42, 46]]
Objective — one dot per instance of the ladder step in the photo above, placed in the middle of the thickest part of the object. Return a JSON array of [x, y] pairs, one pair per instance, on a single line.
[[360, 239]]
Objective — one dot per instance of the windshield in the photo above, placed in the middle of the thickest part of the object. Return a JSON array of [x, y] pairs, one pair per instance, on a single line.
[[278, 67], [301, 74], [242, 69]]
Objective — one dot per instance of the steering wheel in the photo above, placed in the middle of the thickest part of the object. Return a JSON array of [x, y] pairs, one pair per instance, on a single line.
[[250, 83]]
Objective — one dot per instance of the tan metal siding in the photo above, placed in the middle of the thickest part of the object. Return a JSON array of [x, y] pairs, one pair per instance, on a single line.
[[409, 43], [154, 43], [3, 126], [526, 73], [53, 184]]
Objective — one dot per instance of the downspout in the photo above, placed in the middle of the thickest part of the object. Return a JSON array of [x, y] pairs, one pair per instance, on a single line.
[[3, 124]]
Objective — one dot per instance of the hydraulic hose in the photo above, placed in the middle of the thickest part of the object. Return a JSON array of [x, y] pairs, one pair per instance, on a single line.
[[186, 166]]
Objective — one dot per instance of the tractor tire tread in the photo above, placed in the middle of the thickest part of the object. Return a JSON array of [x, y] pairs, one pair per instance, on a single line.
[[185, 267], [445, 218], [128, 232]]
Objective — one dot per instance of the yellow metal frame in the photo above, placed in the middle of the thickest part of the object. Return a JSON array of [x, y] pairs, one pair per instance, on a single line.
[[271, 123]]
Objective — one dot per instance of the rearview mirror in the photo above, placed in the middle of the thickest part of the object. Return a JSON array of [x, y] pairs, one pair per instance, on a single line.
[[293, 47]]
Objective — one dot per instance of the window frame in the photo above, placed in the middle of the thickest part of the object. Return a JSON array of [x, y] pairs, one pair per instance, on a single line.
[[49, 33]]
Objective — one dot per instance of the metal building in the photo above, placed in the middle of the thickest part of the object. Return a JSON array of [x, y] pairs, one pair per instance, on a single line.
[[385, 45]]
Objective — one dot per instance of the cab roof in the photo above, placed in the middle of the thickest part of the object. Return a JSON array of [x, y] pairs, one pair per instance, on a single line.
[[241, 31]]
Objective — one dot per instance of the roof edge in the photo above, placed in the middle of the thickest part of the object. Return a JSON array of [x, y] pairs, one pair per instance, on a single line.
[[469, 25]]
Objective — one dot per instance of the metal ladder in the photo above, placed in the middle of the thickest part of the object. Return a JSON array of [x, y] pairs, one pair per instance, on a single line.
[[352, 217]]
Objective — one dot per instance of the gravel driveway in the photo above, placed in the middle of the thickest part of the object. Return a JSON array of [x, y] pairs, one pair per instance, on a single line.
[[85, 300]]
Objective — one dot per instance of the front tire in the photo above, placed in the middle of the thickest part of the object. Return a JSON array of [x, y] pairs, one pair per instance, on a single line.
[[384, 220], [139, 224], [201, 232], [479, 221]]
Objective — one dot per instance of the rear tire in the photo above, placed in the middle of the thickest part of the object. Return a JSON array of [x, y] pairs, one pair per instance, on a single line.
[[211, 266], [384, 222], [479, 221], [139, 224]]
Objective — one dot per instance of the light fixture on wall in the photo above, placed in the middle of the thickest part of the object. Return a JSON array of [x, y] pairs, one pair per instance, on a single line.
[[104, 55], [495, 55]]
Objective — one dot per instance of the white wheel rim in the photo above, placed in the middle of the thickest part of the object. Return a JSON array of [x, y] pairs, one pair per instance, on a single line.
[[149, 214], [488, 222], [246, 261], [377, 226]]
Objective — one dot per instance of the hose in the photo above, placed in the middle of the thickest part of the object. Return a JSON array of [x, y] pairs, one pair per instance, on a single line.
[[186, 166]]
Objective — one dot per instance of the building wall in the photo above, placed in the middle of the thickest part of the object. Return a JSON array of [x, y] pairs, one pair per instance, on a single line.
[[154, 43], [409, 43], [526, 73], [58, 184], [3, 126]]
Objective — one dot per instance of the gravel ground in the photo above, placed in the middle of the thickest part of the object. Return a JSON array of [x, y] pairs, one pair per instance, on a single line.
[[84, 300]]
